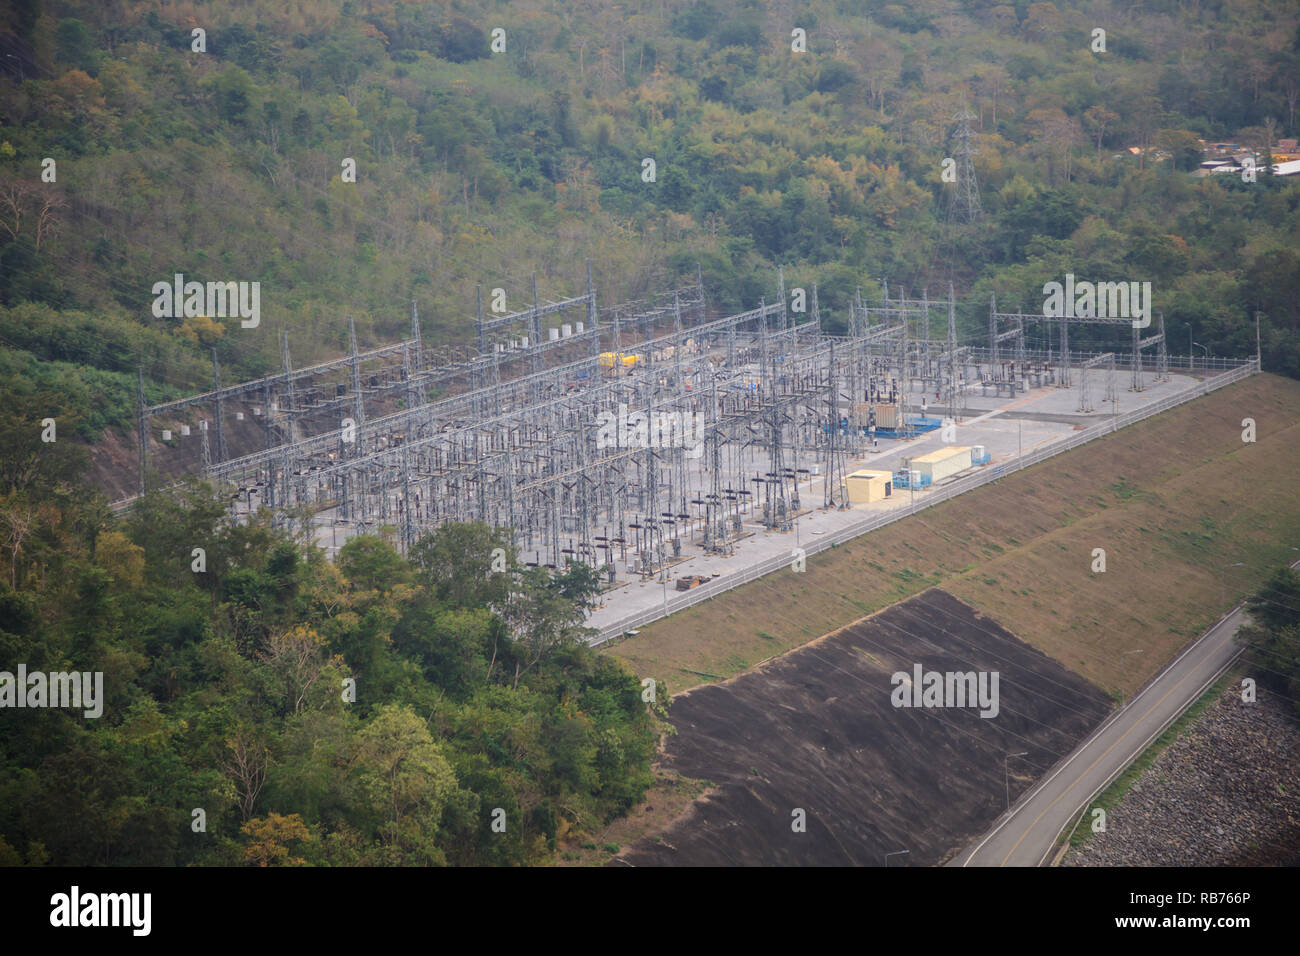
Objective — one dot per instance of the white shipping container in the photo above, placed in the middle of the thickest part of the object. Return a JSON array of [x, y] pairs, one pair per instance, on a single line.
[[943, 463]]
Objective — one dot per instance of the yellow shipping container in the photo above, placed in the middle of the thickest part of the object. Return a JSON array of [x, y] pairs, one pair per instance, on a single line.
[[867, 486]]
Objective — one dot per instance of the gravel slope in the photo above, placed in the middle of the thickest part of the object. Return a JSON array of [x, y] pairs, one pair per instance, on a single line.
[[1226, 793]]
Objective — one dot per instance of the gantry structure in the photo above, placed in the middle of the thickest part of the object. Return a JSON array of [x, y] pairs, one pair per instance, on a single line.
[[1016, 372], [623, 437]]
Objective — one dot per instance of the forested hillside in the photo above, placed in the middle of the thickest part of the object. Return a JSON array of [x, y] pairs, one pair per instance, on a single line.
[[221, 155], [474, 166], [277, 709]]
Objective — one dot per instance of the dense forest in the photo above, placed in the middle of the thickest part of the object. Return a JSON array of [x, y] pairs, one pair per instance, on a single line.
[[380, 709], [373, 711], [475, 166]]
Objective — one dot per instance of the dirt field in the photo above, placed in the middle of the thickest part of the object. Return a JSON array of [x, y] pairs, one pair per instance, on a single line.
[[1175, 501], [816, 729]]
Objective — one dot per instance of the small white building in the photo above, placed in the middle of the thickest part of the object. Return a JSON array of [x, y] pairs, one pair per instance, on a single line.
[[941, 464]]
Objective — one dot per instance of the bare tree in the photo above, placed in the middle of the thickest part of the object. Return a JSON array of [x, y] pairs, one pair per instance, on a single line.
[[1148, 115], [839, 39], [246, 766], [1291, 89], [1257, 71], [19, 521], [299, 656], [1270, 132], [991, 83], [13, 206], [1098, 118]]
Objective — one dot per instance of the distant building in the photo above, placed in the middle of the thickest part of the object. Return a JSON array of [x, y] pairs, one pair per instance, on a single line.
[[1286, 149]]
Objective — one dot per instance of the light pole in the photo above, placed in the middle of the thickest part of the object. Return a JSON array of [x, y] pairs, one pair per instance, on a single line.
[[1207, 354], [1124, 655], [895, 853], [1223, 595], [1259, 354], [1006, 773]]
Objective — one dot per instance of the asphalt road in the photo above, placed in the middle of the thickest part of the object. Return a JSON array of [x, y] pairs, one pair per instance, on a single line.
[[1026, 836]]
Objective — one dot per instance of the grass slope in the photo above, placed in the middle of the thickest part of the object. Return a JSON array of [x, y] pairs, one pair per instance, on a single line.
[[1173, 500]]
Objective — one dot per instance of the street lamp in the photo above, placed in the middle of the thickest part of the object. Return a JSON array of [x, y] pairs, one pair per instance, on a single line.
[[895, 853], [1223, 596], [1126, 654], [1006, 773], [1204, 349]]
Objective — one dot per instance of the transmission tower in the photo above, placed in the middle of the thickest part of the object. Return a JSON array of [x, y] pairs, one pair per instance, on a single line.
[[964, 205]]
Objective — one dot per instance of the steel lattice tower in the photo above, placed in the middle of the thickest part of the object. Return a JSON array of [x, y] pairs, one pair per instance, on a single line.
[[964, 205]]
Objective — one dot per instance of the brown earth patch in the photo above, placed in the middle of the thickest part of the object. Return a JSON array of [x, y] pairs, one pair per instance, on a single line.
[[815, 729]]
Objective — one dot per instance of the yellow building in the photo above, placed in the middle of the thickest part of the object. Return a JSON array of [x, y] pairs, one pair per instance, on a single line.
[[867, 486], [938, 465]]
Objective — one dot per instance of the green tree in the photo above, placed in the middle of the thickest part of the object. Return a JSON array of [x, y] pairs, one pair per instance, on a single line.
[[405, 781], [467, 564], [75, 45], [1273, 635]]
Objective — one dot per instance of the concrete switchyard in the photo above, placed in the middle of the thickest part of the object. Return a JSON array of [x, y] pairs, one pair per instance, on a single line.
[[656, 442]]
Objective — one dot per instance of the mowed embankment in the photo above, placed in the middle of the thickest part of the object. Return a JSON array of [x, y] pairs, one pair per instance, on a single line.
[[816, 731], [1175, 502]]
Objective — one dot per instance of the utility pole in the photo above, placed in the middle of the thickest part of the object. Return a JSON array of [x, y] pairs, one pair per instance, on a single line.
[[1223, 595], [144, 425], [1259, 366], [1006, 773], [221, 416]]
